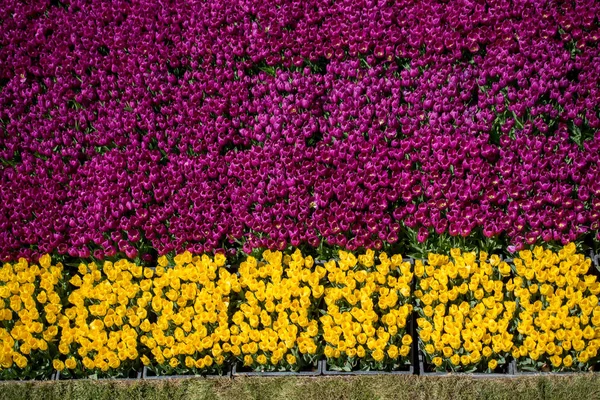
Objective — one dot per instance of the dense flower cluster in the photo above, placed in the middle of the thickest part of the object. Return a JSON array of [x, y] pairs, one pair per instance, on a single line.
[[190, 299], [101, 324], [367, 312], [465, 314], [276, 325], [30, 306], [559, 311], [126, 126]]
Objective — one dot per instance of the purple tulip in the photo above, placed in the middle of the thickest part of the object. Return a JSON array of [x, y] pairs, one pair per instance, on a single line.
[[130, 125]]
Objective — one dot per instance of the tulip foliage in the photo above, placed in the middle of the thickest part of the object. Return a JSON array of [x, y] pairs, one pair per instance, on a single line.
[[129, 129]]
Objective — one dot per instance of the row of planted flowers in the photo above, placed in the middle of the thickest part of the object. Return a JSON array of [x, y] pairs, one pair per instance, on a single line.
[[196, 315]]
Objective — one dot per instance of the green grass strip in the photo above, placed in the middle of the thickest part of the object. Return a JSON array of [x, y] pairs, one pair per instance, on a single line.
[[581, 386]]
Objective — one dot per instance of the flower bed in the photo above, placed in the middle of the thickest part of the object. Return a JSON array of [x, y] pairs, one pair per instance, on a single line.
[[142, 147]]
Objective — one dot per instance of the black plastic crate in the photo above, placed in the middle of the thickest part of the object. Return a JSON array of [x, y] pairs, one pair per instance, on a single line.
[[520, 372], [427, 370], [147, 374], [409, 370], [50, 377], [239, 370], [132, 376]]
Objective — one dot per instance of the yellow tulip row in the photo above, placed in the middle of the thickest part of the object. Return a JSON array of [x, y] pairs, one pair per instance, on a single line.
[[191, 314]]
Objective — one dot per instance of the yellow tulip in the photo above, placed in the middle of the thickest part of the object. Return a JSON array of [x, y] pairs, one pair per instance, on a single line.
[[378, 355], [58, 365], [455, 359]]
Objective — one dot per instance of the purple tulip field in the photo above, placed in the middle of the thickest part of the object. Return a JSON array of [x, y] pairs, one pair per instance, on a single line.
[[139, 129]]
